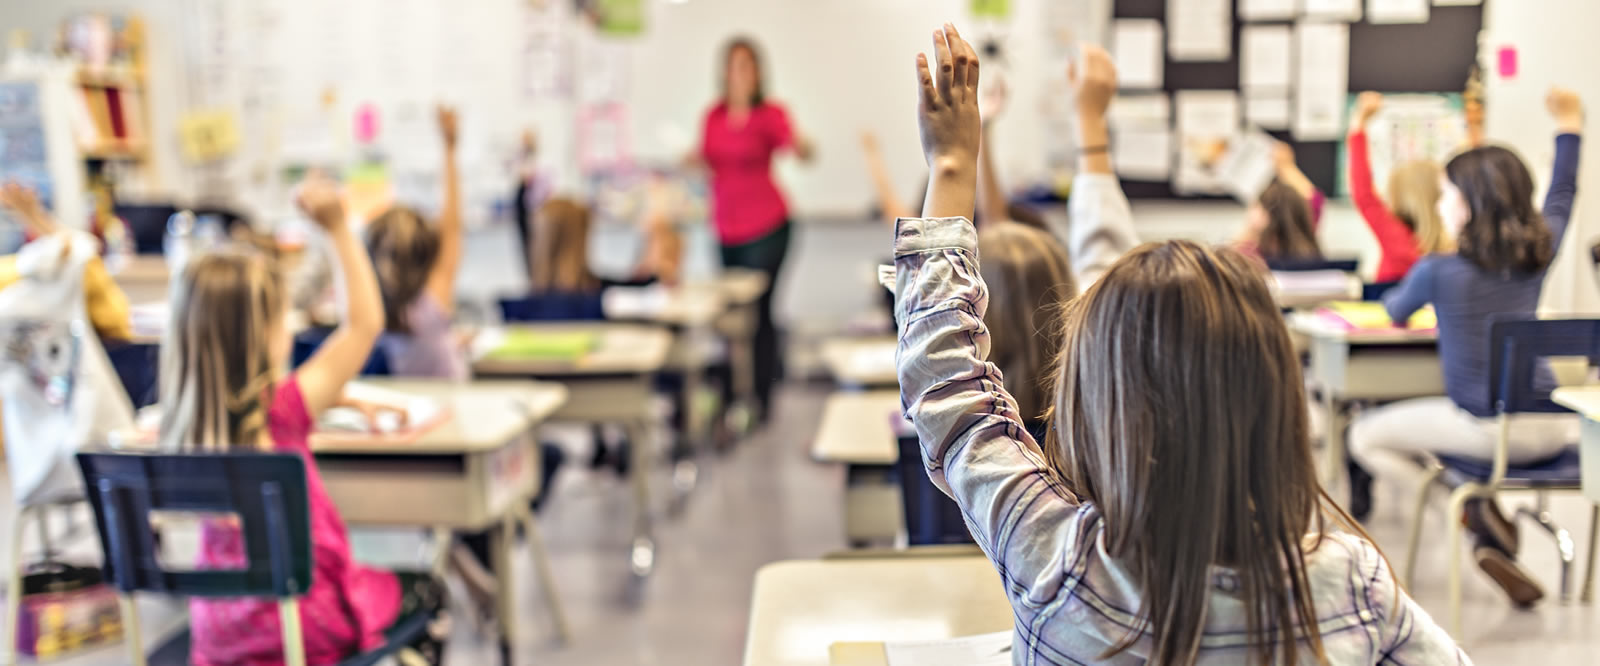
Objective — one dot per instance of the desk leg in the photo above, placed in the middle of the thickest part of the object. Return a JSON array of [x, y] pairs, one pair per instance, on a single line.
[[642, 556], [503, 539], [547, 580], [691, 442], [741, 362], [1334, 461]]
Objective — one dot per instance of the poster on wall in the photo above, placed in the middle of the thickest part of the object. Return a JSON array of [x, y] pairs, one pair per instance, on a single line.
[[613, 18], [23, 158], [1409, 127], [992, 9]]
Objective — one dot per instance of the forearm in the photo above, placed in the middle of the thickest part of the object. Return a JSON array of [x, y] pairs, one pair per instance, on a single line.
[[363, 301], [1296, 179], [952, 188], [991, 196], [1094, 145]]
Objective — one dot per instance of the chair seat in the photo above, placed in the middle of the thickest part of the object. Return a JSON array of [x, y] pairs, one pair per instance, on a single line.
[[1561, 471], [405, 631]]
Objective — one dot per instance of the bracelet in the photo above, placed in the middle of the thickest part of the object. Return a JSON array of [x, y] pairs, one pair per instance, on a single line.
[[1094, 150]]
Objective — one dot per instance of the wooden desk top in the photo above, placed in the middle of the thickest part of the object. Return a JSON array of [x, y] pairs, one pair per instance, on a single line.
[[1315, 327], [861, 361], [1584, 400], [142, 268], [484, 415], [801, 607], [624, 349], [858, 428], [690, 305]]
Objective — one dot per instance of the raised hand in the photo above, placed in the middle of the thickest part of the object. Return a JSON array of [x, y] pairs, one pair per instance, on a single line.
[[447, 125], [1094, 81], [948, 115], [319, 198], [25, 204], [993, 101], [1367, 106], [1567, 108]]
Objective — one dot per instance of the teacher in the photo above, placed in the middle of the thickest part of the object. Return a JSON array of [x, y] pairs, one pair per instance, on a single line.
[[741, 134]]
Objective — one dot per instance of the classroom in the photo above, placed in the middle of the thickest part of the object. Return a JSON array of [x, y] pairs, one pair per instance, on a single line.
[[825, 333]]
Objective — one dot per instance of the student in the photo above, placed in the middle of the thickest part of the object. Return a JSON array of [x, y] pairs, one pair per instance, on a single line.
[[1411, 228], [1030, 276], [107, 305], [1504, 247], [223, 386], [1279, 227], [562, 286], [417, 266], [1128, 548], [1100, 224]]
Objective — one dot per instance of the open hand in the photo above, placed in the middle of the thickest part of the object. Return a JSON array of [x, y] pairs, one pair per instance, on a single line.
[[319, 197], [1367, 106], [1566, 107], [25, 204], [1094, 81], [447, 125], [948, 110]]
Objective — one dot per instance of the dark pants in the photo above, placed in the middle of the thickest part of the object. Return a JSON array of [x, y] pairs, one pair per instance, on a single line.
[[420, 593], [765, 254], [519, 208], [551, 459]]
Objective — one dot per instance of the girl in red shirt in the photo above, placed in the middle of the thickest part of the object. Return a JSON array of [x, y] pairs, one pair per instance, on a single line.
[[1408, 227]]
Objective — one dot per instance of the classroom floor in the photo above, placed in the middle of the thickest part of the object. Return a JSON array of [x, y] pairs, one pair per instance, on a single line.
[[767, 501]]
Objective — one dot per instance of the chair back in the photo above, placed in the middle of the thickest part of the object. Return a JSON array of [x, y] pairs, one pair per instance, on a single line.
[[1376, 290], [267, 491], [136, 365], [553, 306], [308, 341], [932, 518], [1302, 265], [1517, 352]]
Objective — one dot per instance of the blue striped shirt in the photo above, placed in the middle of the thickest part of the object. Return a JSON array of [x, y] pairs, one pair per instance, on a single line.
[[1071, 600]]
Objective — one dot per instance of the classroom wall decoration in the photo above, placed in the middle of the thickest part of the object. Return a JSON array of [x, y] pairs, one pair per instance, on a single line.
[[1293, 65]]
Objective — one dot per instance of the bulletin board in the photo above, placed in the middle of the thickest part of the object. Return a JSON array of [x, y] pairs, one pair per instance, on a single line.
[[1436, 56]]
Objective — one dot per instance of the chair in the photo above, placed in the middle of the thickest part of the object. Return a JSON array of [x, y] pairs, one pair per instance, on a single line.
[[268, 494], [136, 366], [308, 341], [1376, 290], [1517, 352], [1303, 265], [553, 306], [932, 518]]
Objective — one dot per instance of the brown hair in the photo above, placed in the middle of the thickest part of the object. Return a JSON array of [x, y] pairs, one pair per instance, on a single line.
[[403, 247], [748, 45], [560, 254], [1414, 198], [1029, 276], [217, 373], [1505, 233], [1289, 233], [1181, 413]]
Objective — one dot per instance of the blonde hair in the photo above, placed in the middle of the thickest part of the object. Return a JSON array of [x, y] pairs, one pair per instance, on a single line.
[[1029, 276], [559, 258], [1414, 198], [217, 375], [403, 247]]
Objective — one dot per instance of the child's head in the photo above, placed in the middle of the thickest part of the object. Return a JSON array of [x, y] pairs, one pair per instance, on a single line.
[[1486, 202], [1281, 222], [1414, 197], [1029, 276], [403, 247], [227, 340], [1182, 414], [560, 257]]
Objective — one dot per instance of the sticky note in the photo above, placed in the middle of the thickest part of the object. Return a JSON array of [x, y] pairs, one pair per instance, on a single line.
[[1508, 62]]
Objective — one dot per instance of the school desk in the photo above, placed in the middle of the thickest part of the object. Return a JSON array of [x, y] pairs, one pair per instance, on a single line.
[[143, 277], [610, 383], [801, 608], [857, 429], [477, 470], [1349, 366], [863, 362], [741, 289], [1585, 400]]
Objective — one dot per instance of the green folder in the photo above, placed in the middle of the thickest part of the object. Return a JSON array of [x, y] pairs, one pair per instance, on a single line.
[[524, 344]]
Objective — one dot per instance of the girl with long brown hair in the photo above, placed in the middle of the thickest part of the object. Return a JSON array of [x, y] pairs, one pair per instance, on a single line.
[[1280, 226], [1179, 520]]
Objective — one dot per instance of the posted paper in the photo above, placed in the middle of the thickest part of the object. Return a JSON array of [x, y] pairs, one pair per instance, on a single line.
[[1271, 111], [1324, 72], [1200, 30], [1207, 120], [1334, 10], [1265, 57], [1136, 45], [1268, 10], [1397, 11]]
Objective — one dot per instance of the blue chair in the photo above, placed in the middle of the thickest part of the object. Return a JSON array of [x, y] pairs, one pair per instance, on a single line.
[[308, 341], [1518, 349], [268, 494], [553, 306], [1376, 290], [932, 518], [1303, 265]]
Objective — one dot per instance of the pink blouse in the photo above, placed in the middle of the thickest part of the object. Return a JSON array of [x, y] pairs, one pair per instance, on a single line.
[[349, 605], [746, 203]]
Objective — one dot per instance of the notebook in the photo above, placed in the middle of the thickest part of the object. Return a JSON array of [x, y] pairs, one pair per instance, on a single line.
[[1371, 316], [980, 650], [405, 419], [521, 344]]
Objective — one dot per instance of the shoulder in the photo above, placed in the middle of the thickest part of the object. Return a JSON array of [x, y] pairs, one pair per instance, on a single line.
[[288, 420], [773, 110]]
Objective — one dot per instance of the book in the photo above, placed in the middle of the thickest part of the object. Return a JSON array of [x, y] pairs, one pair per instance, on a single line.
[[1371, 316], [522, 344]]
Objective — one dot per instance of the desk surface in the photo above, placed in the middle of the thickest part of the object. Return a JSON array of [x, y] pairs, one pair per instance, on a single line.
[[861, 361], [1315, 327], [690, 305], [1584, 400], [484, 415], [741, 286], [858, 428], [801, 607], [142, 268], [624, 349]]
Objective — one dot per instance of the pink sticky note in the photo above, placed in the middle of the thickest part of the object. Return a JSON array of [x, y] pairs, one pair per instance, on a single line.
[[1508, 62], [366, 123]]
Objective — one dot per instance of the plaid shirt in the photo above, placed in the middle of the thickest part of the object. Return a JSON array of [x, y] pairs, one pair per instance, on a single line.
[[1070, 599]]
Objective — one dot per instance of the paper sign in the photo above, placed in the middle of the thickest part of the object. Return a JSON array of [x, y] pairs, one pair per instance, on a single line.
[[1268, 111], [1207, 120], [1200, 30], [208, 135], [1142, 153], [1324, 71], [1507, 62], [1397, 11], [618, 18], [997, 9], [1265, 55], [1268, 10], [1247, 168], [1334, 10], [366, 123], [1136, 45]]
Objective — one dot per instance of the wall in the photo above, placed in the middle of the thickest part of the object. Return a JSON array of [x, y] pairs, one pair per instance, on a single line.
[[1556, 46]]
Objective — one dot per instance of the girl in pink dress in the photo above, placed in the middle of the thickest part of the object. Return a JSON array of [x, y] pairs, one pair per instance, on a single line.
[[223, 387]]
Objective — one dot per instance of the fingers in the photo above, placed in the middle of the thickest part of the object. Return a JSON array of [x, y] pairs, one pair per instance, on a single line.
[[966, 74], [930, 96], [944, 63]]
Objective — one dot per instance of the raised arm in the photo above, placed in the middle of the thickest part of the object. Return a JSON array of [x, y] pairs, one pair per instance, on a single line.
[[973, 443], [1101, 222], [1413, 292], [342, 355], [893, 206], [1567, 109], [441, 284], [991, 195], [1393, 235], [1289, 173], [103, 297]]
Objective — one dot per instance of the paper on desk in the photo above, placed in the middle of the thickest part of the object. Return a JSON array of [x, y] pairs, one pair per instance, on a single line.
[[1200, 30], [1136, 45], [636, 302], [1323, 73], [409, 411], [981, 650]]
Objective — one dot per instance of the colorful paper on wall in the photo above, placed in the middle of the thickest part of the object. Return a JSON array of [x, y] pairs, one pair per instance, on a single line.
[[996, 9], [208, 135]]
